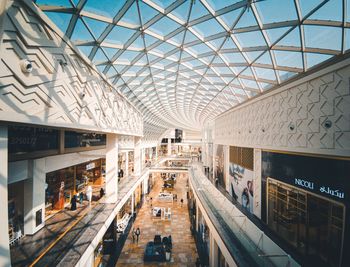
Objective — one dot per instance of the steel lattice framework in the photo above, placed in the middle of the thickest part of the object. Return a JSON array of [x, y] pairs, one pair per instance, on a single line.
[[184, 62]]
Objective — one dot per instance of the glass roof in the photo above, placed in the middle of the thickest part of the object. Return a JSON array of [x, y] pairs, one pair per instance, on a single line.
[[184, 62]]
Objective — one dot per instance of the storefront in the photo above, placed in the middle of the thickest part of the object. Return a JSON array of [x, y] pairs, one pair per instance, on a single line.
[[15, 210], [219, 166], [62, 184], [305, 202]]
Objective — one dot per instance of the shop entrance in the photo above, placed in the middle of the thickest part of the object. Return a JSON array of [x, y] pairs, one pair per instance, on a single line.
[[313, 225]]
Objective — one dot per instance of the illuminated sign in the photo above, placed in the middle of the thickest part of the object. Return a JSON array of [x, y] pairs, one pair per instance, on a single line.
[[323, 189], [90, 166]]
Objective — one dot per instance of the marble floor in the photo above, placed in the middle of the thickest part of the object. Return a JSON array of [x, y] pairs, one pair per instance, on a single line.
[[184, 251]]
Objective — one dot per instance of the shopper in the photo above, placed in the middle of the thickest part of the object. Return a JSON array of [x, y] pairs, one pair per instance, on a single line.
[[81, 197], [133, 235], [182, 201], [89, 193], [73, 203], [102, 192], [137, 232]]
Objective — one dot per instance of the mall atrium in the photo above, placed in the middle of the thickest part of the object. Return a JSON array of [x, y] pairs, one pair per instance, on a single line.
[[175, 133]]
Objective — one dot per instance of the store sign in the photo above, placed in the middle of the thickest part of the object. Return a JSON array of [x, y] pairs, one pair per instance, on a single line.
[[304, 183], [323, 189], [329, 191], [90, 166]]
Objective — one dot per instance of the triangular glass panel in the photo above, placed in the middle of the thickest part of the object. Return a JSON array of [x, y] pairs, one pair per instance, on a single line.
[[97, 27], [190, 37], [128, 55], [291, 39], [198, 10], [81, 33], [147, 12], [208, 28], [253, 55], [251, 39], [164, 3], [164, 26], [86, 50], [267, 74], [331, 10], [131, 15], [264, 59], [100, 56], [247, 72], [138, 43], [307, 6], [217, 43], [313, 59], [178, 37], [289, 59], [200, 49], [234, 58], [101, 68], [165, 48], [275, 34], [229, 44], [119, 35], [150, 40], [315, 37], [63, 3], [246, 20], [230, 18], [182, 11], [109, 11], [272, 11], [60, 19], [111, 72], [285, 75]]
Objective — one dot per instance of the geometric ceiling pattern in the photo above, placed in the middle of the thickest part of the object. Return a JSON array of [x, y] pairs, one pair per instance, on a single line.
[[182, 63]]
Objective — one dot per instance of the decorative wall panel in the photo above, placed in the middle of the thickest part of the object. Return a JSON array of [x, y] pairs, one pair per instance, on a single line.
[[63, 89], [310, 117]]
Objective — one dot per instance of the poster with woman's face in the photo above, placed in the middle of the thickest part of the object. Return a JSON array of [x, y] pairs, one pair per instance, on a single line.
[[219, 163], [241, 185]]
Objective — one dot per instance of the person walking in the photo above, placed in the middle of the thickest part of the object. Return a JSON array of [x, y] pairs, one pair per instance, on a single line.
[[182, 201], [74, 203], [102, 192], [137, 232], [81, 197], [133, 235], [89, 193]]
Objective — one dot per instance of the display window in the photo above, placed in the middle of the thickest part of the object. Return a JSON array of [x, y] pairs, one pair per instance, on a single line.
[[312, 224], [305, 201]]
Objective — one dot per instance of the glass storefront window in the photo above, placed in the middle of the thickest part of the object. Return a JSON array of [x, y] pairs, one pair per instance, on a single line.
[[311, 224], [77, 139], [24, 139]]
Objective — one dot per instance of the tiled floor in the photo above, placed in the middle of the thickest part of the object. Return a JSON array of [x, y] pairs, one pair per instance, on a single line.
[[184, 251], [31, 246]]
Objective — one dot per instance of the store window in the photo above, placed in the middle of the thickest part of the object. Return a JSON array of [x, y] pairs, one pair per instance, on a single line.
[[24, 141], [77, 139], [311, 224]]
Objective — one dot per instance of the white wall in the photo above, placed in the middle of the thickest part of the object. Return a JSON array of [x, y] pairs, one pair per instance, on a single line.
[[264, 122]]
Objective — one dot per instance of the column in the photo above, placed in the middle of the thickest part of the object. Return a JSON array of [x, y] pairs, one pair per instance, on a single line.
[[5, 259], [132, 204], [143, 154], [213, 253], [197, 215], [156, 153], [137, 156], [112, 168], [169, 146], [126, 171], [34, 197]]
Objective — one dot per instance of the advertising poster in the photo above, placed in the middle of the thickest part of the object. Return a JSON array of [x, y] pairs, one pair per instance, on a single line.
[[241, 185], [219, 166]]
